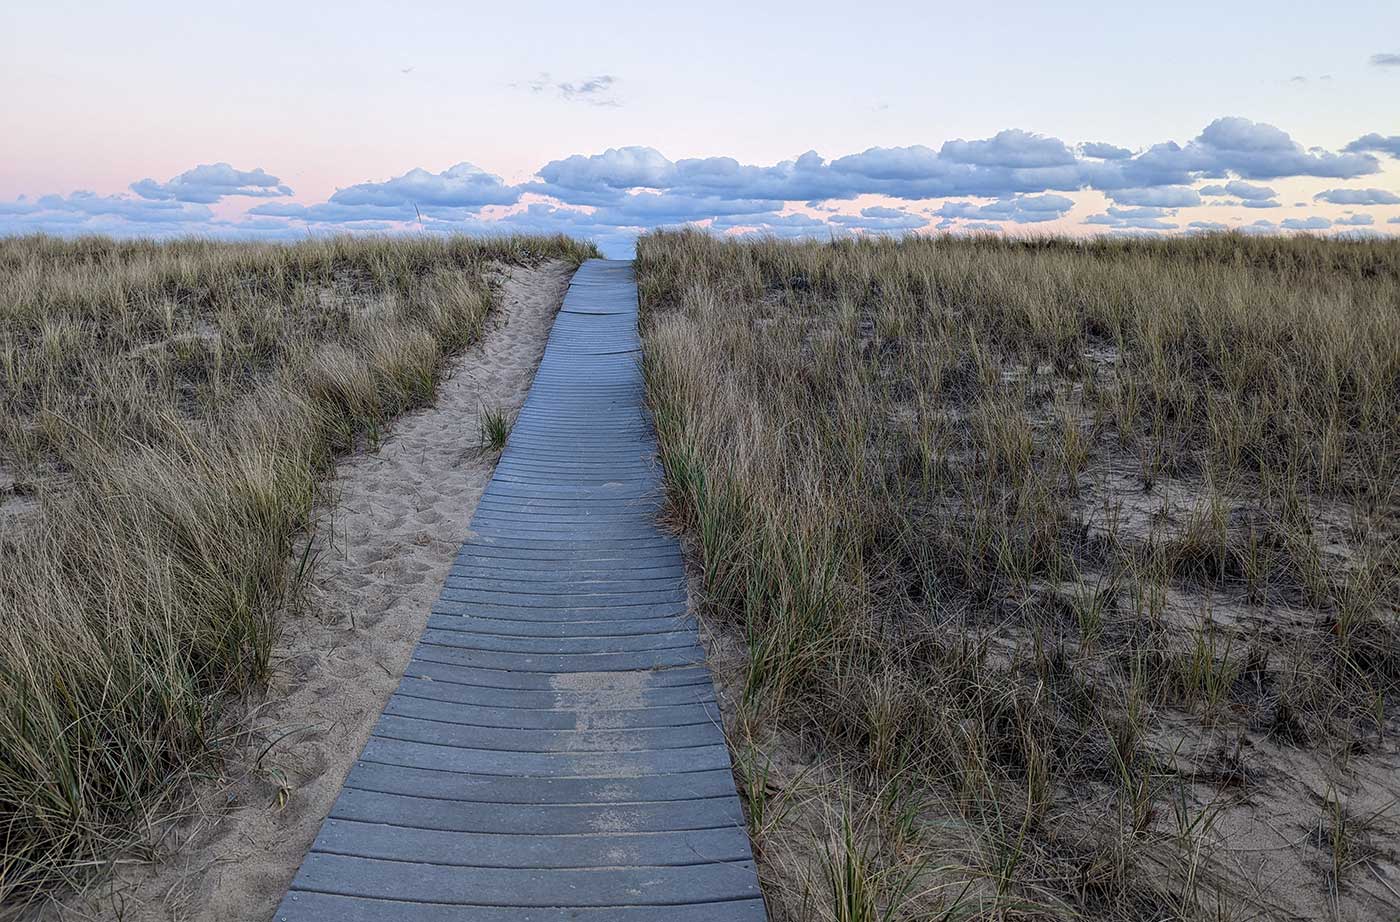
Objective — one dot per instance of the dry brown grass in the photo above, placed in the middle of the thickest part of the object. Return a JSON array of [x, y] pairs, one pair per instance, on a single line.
[[1057, 579], [168, 413]]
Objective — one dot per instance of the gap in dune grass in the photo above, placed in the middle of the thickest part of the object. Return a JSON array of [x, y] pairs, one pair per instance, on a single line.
[[1050, 578]]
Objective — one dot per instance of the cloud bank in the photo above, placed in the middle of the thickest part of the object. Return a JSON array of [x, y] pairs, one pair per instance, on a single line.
[[1376, 143], [1015, 178], [1358, 197], [210, 182]]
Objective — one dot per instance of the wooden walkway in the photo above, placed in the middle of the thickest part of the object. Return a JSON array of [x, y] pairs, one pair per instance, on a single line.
[[554, 750]]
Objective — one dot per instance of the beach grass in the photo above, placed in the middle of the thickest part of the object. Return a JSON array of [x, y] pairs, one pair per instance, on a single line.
[[1047, 578]]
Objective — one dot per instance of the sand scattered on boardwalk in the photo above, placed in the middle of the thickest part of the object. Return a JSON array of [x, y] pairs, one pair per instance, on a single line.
[[399, 515]]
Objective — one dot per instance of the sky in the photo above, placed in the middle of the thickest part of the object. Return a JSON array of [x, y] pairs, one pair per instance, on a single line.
[[278, 120]]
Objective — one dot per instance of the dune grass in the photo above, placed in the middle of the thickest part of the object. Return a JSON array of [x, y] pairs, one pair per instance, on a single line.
[[167, 412], [1061, 575]]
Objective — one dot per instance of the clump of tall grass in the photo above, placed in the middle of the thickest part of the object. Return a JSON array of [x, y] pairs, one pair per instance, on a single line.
[[173, 408], [495, 425], [975, 506]]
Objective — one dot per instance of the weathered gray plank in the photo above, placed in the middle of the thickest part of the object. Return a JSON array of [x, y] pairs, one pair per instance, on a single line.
[[525, 820], [465, 635], [572, 628], [368, 775], [316, 907], [542, 887], [435, 708], [580, 683], [458, 848], [556, 663], [448, 683], [438, 732]]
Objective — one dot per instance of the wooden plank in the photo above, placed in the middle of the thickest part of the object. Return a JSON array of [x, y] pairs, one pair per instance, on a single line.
[[545, 764], [442, 683], [456, 848], [404, 704], [525, 820], [418, 728], [421, 782], [572, 628], [519, 887], [318, 907]]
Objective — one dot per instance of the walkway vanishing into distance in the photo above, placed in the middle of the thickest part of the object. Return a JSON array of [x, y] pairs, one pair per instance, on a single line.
[[554, 750]]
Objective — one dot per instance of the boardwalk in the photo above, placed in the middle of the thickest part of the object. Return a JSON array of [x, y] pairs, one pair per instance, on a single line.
[[553, 751]]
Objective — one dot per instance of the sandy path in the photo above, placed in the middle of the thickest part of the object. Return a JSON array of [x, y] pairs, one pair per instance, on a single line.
[[385, 547]]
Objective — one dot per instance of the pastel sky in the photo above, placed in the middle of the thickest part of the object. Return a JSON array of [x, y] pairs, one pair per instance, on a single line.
[[276, 120]]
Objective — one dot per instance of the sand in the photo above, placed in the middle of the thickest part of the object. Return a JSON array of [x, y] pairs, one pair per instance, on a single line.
[[384, 547]]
